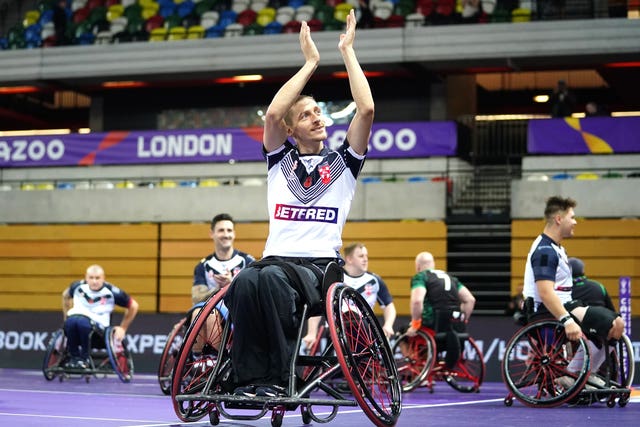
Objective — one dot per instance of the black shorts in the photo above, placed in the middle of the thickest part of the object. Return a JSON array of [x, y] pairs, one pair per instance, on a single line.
[[597, 321]]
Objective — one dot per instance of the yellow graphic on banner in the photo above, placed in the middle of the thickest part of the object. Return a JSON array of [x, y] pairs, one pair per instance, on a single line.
[[595, 144]]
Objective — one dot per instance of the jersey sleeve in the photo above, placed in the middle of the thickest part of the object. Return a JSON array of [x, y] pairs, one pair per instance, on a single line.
[[199, 277], [120, 297], [384, 296], [544, 263], [418, 281]]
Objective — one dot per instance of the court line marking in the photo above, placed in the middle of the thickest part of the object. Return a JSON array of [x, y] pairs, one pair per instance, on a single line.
[[84, 393], [70, 417]]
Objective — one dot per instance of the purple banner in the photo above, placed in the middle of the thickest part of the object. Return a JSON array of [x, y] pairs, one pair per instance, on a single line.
[[593, 135], [388, 140]]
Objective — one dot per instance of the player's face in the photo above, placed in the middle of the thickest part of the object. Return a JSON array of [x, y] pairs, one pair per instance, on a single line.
[[308, 122], [360, 259], [568, 223], [95, 279], [223, 234]]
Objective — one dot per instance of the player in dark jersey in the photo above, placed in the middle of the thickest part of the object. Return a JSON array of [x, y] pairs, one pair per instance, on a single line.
[[433, 290], [87, 303], [586, 290], [309, 190]]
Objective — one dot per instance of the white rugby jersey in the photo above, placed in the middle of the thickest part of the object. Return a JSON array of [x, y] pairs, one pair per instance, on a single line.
[[309, 198], [547, 260], [371, 287], [97, 305]]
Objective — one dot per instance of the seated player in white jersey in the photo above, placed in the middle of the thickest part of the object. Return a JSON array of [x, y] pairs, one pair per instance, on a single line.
[[309, 190], [88, 303]]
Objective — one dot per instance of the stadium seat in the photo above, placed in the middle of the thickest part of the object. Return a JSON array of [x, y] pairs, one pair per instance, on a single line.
[[114, 11], [414, 20], [239, 6], [209, 19], [304, 13], [104, 37], [30, 17], [103, 185], [78, 4], [247, 17], [254, 29], [208, 183], [214, 32], [612, 175], [587, 176], [227, 17], [561, 176], [167, 10], [156, 21], [537, 177], [125, 184], [265, 16], [185, 8], [158, 34], [383, 10], [48, 29], [188, 184], [315, 25], [233, 30], [284, 14], [521, 15], [177, 33], [341, 11], [292, 27], [258, 5], [395, 21], [195, 32], [273, 27]]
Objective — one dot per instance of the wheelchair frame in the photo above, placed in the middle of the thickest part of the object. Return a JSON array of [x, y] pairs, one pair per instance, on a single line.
[[539, 354], [357, 352], [114, 358], [421, 364]]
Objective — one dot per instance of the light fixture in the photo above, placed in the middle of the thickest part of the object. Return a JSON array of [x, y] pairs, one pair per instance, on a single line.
[[123, 84], [541, 99], [239, 79], [10, 90]]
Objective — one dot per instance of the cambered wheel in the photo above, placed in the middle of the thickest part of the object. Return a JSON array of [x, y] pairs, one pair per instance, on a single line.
[[414, 358], [170, 354], [119, 355], [535, 367], [364, 355], [468, 373], [190, 373], [55, 354]]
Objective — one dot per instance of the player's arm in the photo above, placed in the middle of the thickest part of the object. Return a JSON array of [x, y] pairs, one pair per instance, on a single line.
[[360, 126], [553, 303], [67, 303], [275, 129], [200, 293], [418, 295], [467, 301]]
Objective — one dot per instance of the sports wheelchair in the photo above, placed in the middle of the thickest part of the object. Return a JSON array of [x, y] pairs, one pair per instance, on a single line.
[[536, 362], [358, 353], [450, 355], [106, 356]]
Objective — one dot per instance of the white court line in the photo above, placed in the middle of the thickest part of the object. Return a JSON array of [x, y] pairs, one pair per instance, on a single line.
[[82, 393], [66, 417]]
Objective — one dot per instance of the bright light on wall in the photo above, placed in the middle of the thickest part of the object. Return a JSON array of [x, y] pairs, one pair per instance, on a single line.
[[541, 99]]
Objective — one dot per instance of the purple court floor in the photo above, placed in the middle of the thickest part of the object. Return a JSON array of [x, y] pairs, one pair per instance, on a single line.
[[27, 399]]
